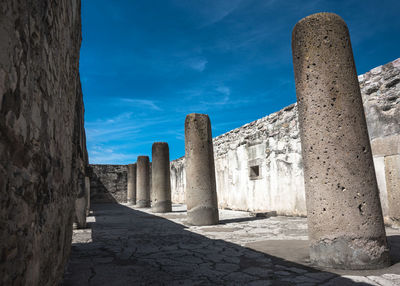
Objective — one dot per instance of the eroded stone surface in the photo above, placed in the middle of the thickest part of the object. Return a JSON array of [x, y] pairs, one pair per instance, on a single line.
[[42, 137], [201, 193], [343, 207]]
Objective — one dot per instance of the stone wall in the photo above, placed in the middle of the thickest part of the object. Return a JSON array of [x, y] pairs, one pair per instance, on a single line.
[[259, 165], [108, 183], [380, 89], [42, 139]]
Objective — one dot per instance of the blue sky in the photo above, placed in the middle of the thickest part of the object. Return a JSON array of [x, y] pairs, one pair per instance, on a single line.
[[146, 64]]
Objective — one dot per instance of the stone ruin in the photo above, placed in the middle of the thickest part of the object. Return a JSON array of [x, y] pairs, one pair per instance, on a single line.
[[43, 150], [339, 176], [47, 183]]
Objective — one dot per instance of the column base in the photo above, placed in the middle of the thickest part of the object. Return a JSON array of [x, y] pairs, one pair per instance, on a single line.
[[132, 202], [351, 254], [143, 204], [202, 216], [162, 207]]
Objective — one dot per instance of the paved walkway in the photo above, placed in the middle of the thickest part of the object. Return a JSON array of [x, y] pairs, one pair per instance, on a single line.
[[128, 246]]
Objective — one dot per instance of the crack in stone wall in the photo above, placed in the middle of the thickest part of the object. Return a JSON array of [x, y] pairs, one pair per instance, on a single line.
[[42, 137]]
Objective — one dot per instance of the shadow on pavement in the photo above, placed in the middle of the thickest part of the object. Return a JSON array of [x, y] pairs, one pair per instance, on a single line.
[[132, 247], [241, 219]]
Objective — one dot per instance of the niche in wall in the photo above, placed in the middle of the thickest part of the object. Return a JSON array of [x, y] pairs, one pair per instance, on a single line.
[[254, 172]]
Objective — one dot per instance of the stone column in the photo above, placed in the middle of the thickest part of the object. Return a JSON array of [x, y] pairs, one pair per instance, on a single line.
[[160, 178], [344, 213], [201, 194], [87, 189], [392, 174], [80, 204], [142, 182], [131, 192]]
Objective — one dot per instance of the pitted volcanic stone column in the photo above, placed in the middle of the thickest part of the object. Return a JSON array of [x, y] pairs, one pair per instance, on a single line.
[[345, 220], [87, 189], [142, 182], [160, 178], [131, 192], [201, 194]]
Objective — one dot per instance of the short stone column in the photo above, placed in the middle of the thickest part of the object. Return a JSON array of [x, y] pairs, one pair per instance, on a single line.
[[131, 191], [201, 194], [344, 213], [160, 178], [142, 182], [87, 189], [81, 204]]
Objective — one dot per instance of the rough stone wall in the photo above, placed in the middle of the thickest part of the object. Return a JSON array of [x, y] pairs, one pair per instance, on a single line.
[[380, 89], [259, 165], [42, 139], [108, 183]]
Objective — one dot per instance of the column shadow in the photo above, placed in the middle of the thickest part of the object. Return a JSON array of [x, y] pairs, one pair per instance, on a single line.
[[131, 247]]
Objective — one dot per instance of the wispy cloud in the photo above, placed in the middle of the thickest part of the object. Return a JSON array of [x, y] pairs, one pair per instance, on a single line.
[[124, 126], [141, 103], [197, 64], [206, 12], [224, 90], [99, 154]]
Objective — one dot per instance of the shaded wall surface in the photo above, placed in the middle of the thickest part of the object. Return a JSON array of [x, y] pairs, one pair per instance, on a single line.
[[108, 183], [42, 141], [259, 165]]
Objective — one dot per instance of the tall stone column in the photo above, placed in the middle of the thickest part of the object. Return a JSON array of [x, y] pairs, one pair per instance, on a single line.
[[160, 178], [142, 182], [87, 190], [344, 213], [201, 194], [131, 192]]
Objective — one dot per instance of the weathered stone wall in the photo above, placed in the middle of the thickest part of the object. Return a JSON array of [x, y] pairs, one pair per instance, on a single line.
[[42, 139], [259, 165], [380, 89], [108, 183]]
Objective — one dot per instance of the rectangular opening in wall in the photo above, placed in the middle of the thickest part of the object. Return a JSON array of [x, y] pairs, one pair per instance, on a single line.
[[254, 172]]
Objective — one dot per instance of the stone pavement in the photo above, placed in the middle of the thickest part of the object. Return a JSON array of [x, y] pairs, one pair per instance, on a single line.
[[128, 246]]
